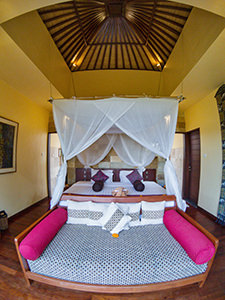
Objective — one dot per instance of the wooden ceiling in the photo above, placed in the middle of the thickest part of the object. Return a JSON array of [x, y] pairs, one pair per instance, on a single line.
[[115, 34]]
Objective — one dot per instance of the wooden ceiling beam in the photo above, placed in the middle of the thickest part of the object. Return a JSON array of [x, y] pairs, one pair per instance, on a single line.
[[100, 44], [110, 46], [168, 35], [175, 7], [59, 17], [72, 42], [76, 45], [70, 38], [59, 24], [116, 31], [151, 20], [92, 29], [160, 43], [79, 21], [139, 32], [169, 21], [153, 31], [149, 35], [126, 46], [127, 30], [169, 14], [87, 51], [121, 45], [66, 33], [64, 29], [53, 10], [107, 37]]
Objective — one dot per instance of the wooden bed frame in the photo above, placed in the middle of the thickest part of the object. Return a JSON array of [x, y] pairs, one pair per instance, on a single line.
[[200, 279], [84, 174]]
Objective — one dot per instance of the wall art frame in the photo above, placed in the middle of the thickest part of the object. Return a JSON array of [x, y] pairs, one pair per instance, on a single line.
[[8, 145]]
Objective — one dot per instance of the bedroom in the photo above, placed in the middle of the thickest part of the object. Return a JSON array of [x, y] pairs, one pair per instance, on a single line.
[[26, 72]]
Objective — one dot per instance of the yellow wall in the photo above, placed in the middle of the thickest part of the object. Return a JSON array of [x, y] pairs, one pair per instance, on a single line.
[[199, 32], [28, 185], [36, 42], [109, 82], [204, 115]]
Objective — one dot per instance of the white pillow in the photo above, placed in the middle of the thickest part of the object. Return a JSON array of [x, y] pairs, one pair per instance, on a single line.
[[123, 176], [96, 213], [93, 172], [152, 212], [133, 210], [110, 174], [115, 220], [78, 212]]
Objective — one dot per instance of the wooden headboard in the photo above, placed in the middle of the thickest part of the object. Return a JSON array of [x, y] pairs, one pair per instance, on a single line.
[[83, 174]]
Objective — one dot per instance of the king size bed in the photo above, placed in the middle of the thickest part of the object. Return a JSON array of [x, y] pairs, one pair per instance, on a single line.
[[84, 185]]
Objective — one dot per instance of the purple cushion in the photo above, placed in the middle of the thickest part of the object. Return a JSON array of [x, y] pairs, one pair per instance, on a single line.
[[139, 186], [133, 176], [100, 176], [41, 235], [198, 247], [98, 186]]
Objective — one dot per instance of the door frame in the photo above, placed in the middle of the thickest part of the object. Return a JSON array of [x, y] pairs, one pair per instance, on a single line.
[[186, 178]]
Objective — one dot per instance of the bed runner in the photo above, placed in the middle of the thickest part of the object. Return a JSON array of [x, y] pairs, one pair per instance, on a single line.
[[141, 255]]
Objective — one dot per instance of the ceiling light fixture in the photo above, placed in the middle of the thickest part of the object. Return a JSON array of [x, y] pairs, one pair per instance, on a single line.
[[74, 64]]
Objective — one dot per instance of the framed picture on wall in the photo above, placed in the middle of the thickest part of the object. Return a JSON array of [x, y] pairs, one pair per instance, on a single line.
[[8, 144]]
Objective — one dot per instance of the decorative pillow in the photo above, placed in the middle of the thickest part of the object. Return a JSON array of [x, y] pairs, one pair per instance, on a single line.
[[93, 172], [78, 212], [152, 212], [132, 210], [133, 176], [139, 186], [100, 176], [115, 220], [98, 186], [41, 235], [198, 247], [96, 213], [109, 173], [106, 172]]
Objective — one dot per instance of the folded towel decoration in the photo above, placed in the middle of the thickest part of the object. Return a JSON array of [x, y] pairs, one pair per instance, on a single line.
[[119, 191]]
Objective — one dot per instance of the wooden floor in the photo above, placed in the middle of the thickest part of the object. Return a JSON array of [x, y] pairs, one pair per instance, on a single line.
[[12, 284]]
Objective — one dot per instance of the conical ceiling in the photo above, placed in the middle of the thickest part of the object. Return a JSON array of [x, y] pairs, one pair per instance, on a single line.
[[115, 34]]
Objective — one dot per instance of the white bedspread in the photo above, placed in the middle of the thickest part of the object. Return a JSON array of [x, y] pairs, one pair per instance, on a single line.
[[85, 188]]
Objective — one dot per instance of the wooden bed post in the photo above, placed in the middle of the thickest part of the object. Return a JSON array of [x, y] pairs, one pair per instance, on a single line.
[[23, 262]]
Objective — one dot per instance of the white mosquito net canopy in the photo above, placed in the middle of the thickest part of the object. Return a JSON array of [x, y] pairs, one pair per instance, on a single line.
[[138, 130]]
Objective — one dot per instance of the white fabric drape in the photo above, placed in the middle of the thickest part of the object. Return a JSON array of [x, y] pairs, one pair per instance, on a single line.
[[131, 152], [128, 150], [79, 124], [97, 151], [149, 122]]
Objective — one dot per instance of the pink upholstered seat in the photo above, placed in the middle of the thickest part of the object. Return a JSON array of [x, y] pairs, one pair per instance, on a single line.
[[198, 247], [41, 235]]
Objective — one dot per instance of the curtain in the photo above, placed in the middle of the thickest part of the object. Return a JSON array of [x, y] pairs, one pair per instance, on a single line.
[[149, 122], [97, 151], [79, 124], [152, 123], [132, 153]]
